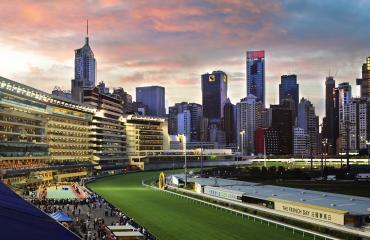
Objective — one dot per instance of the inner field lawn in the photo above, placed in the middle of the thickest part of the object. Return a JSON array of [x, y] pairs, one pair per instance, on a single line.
[[170, 217]]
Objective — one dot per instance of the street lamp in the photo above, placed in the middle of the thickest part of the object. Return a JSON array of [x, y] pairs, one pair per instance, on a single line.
[[324, 143], [185, 166], [242, 133], [368, 152]]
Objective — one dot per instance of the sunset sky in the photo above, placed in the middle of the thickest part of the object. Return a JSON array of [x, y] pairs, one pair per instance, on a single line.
[[171, 43]]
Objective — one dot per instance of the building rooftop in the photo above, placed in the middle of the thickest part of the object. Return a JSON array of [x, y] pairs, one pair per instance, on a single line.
[[352, 204], [216, 181]]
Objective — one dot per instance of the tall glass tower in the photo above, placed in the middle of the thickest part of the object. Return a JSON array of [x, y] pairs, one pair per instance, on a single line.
[[85, 69], [256, 74], [289, 88], [214, 94]]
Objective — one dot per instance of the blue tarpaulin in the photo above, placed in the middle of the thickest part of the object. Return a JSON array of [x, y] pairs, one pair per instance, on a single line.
[[21, 220], [61, 216]]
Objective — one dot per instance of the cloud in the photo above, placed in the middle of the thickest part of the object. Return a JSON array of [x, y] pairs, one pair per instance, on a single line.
[[172, 43]]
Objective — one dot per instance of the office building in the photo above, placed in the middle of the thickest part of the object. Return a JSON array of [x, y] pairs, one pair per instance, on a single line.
[[301, 143], [255, 65], [289, 89], [330, 123], [364, 82], [154, 98], [266, 116], [230, 123], [184, 124], [248, 120], [282, 122], [260, 141], [195, 121], [309, 122], [272, 141], [85, 70], [214, 94]]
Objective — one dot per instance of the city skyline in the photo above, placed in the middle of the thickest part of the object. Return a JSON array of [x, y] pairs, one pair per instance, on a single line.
[[142, 48]]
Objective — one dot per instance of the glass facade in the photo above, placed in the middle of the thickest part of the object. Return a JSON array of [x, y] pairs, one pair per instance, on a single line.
[[214, 94], [256, 74], [289, 89]]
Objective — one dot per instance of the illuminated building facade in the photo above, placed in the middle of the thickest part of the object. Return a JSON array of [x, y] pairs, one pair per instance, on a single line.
[[107, 129], [146, 136], [42, 137], [255, 65]]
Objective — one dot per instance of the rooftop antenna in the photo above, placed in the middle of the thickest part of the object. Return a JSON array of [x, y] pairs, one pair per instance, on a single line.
[[87, 31]]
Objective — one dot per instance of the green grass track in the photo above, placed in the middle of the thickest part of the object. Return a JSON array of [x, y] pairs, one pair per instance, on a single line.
[[170, 217]]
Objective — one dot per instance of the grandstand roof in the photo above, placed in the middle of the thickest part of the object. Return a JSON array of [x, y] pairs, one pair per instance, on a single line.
[[352, 204], [21, 220], [215, 181]]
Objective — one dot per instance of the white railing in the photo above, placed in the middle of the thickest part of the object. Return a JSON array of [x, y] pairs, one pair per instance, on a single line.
[[255, 218]]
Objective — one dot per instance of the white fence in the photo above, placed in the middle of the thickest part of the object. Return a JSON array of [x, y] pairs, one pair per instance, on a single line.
[[272, 223]]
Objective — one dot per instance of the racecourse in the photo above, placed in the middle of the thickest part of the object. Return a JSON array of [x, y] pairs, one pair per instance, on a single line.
[[170, 217]]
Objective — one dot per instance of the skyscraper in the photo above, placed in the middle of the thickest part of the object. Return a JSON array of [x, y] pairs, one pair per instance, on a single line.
[[282, 122], [288, 88], [344, 95], [256, 74], [154, 98], [229, 122], [364, 82], [359, 123], [309, 122], [330, 125], [214, 94], [248, 120], [85, 69]]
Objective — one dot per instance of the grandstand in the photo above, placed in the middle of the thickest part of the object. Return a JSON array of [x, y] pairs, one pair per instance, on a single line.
[[327, 207]]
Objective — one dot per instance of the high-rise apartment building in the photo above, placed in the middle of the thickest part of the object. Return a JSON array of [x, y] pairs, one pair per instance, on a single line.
[[359, 123], [344, 96], [154, 98], [255, 65]]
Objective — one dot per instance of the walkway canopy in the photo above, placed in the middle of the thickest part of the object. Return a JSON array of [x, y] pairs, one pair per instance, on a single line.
[[21, 220], [61, 216]]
